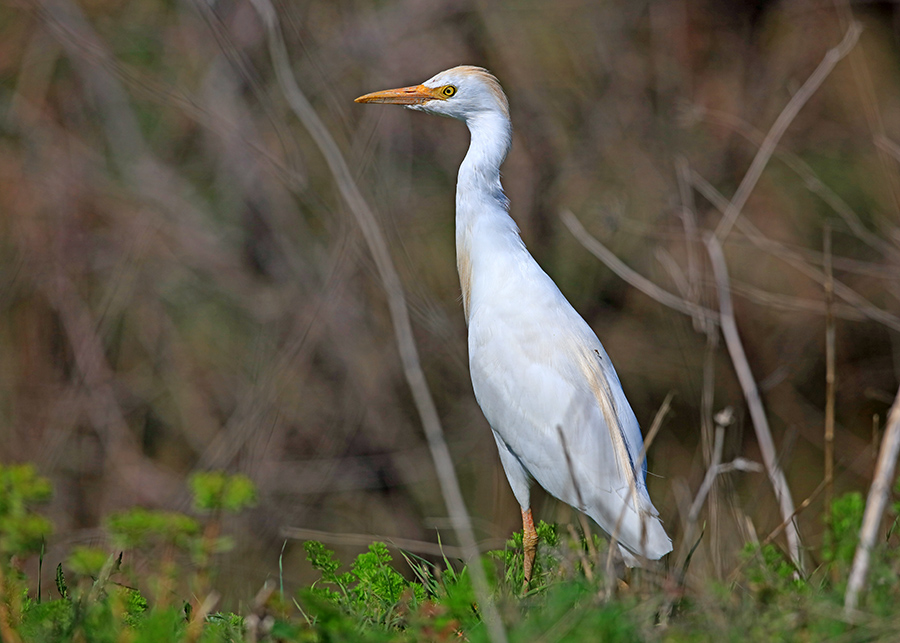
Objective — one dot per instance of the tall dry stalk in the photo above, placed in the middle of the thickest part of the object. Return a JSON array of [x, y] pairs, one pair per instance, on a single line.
[[829, 373], [406, 342], [879, 493], [754, 401]]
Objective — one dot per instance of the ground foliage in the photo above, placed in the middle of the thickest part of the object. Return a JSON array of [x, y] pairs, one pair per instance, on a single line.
[[96, 595], [183, 288]]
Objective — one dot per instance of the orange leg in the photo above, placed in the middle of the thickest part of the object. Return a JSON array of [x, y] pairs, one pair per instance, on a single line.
[[529, 543]]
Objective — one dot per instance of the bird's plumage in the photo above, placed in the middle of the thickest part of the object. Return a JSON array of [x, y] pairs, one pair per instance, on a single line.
[[541, 376]]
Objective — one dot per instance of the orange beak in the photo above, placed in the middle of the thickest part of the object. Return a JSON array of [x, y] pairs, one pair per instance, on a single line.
[[402, 96]]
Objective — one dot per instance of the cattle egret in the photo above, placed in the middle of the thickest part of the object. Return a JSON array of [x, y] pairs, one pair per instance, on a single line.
[[542, 378]]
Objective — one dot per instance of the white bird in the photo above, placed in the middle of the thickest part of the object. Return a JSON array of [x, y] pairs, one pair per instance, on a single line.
[[542, 378]]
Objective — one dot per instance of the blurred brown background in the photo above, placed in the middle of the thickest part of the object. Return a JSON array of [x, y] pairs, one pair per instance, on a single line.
[[183, 288]]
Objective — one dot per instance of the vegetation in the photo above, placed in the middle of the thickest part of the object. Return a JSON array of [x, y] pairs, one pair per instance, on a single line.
[[183, 288], [98, 596]]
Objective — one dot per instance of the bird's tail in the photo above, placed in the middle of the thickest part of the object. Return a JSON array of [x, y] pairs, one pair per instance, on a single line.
[[656, 546], [640, 531]]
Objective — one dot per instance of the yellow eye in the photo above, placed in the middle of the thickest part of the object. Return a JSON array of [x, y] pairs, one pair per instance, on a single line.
[[448, 91]]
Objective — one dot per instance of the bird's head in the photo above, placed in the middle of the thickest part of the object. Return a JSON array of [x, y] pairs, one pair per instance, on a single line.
[[461, 92]]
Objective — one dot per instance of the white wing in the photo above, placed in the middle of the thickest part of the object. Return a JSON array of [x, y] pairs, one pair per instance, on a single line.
[[539, 371]]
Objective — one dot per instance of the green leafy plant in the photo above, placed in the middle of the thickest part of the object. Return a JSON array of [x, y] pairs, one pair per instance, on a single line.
[[372, 590], [546, 562], [219, 491], [22, 530], [373, 599], [140, 527], [842, 529], [92, 603]]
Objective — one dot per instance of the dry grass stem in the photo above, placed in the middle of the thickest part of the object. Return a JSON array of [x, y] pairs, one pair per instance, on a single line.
[[585, 560], [406, 343], [754, 537], [421, 547], [879, 494], [710, 476], [707, 396], [585, 526], [716, 468], [199, 614], [829, 373], [754, 402], [707, 401], [705, 487]]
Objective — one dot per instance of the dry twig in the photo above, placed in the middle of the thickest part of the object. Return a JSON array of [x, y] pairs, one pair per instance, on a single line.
[[751, 394], [716, 468], [640, 282], [732, 577]]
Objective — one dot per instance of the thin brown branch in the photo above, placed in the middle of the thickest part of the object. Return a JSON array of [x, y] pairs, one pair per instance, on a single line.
[[629, 275], [790, 111], [780, 301], [723, 419], [665, 258], [800, 508], [751, 394]]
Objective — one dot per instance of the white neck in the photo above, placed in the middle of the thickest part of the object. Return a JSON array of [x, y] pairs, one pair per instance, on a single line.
[[480, 201], [491, 138]]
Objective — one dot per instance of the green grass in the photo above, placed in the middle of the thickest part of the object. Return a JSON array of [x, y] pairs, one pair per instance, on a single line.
[[99, 596]]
